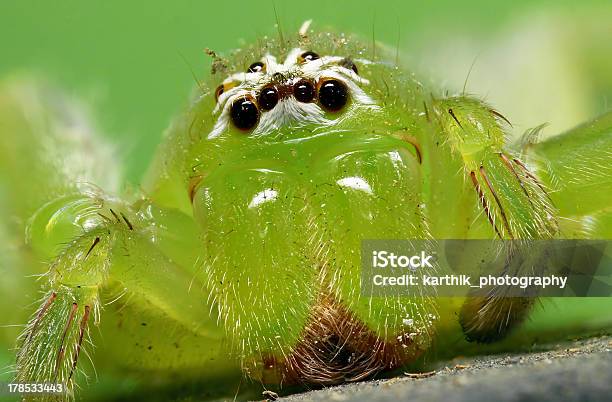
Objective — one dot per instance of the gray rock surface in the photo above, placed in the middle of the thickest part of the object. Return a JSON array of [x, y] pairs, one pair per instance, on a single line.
[[576, 371]]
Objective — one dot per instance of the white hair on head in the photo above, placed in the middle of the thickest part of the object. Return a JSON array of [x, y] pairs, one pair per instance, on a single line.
[[304, 28], [289, 112]]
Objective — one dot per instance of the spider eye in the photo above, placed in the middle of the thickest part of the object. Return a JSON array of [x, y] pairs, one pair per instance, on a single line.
[[348, 63], [333, 95], [308, 56], [268, 98], [244, 113], [304, 91], [220, 89], [256, 67]]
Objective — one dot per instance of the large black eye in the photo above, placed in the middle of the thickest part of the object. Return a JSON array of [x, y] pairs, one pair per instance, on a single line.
[[304, 91], [333, 95], [348, 63], [268, 98], [219, 91], [309, 56], [256, 67], [244, 113]]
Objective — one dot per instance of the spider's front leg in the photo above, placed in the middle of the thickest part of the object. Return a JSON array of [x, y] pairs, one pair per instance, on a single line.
[[506, 202], [138, 253]]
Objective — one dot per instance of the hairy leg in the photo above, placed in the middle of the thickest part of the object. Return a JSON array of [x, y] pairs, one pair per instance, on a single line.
[[48, 148], [510, 201], [130, 262], [132, 258], [576, 166]]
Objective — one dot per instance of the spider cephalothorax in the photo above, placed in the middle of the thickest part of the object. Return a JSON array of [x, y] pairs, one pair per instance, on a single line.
[[304, 89]]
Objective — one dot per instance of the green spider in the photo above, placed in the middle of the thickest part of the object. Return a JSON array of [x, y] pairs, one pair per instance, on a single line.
[[241, 251]]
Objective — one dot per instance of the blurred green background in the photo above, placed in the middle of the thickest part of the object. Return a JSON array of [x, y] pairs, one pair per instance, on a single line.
[[537, 61]]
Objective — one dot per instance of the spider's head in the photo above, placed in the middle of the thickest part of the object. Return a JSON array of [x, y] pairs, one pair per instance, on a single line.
[[306, 89]]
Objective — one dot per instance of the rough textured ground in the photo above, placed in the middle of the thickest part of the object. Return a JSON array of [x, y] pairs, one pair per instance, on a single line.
[[575, 371]]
